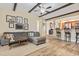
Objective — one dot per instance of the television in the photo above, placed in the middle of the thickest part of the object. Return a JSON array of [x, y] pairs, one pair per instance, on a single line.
[[19, 26]]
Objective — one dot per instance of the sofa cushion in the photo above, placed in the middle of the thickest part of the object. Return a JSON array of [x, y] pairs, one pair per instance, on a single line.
[[37, 34], [31, 34], [37, 40]]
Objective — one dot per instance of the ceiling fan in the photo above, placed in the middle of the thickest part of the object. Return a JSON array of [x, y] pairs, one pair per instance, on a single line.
[[43, 9]]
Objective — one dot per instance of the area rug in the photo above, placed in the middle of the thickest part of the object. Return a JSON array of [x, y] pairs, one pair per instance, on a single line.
[[21, 50]]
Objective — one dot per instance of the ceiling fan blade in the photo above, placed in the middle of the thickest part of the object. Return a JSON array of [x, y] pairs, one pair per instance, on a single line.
[[48, 7], [41, 13], [39, 6], [47, 11], [35, 10]]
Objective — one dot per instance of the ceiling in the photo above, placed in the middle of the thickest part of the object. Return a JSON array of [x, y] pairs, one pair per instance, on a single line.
[[25, 6], [56, 8], [61, 11]]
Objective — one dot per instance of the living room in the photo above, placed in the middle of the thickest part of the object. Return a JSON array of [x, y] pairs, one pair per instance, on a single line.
[[18, 23], [39, 29]]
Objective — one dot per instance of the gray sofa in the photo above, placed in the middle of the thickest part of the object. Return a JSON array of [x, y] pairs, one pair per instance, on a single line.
[[33, 37], [3, 41]]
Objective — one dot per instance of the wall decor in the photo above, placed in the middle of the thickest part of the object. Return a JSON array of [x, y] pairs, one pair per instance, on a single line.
[[25, 20], [13, 19], [10, 18], [18, 22], [11, 24], [18, 26], [19, 19], [26, 26]]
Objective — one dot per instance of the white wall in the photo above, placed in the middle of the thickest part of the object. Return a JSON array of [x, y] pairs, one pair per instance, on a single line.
[[7, 9]]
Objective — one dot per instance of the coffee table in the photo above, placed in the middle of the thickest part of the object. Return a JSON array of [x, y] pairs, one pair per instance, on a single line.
[[17, 42]]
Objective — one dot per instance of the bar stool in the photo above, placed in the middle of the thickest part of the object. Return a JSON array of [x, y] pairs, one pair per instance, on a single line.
[[50, 31], [58, 34], [68, 36], [77, 37]]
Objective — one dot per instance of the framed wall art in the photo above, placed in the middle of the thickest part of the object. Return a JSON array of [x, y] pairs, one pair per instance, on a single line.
[[11, 24], [25, 20], [19, 19], [10, 18], [18, 22], [26, 26]]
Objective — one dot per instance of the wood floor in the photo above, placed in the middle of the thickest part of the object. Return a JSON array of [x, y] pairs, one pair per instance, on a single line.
[[57, 47]]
